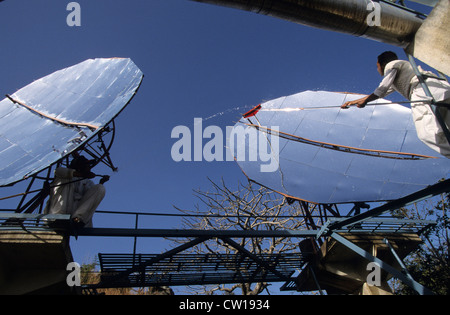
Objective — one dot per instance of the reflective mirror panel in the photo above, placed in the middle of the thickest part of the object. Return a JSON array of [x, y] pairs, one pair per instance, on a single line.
[[53, 116], [305, 146]]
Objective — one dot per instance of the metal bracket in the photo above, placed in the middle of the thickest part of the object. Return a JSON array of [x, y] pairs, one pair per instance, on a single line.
[[397, 258], [393, 271]]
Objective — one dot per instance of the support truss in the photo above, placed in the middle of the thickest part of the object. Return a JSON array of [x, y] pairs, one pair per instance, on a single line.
[[38, 188], [262, 267]]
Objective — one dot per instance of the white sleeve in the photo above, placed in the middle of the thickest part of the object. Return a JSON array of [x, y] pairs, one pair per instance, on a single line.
[[385, 87]]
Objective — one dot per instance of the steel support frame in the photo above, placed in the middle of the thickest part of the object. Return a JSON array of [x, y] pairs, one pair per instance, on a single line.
[[434, 108], [397, 258], [405, 278], [185, 233], [204, 235], [35, 216], [430, 191], [101, 154]]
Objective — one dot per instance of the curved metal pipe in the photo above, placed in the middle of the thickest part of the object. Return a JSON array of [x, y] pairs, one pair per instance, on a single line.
[[396, 26]]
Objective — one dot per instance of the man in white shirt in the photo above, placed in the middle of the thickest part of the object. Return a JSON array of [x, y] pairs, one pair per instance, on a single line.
[[74, 193], [400, 76]]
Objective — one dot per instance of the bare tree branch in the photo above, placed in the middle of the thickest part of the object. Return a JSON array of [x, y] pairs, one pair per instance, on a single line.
[[249, 207]]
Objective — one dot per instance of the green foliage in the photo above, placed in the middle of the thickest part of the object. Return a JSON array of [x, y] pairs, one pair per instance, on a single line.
[[430, 263]]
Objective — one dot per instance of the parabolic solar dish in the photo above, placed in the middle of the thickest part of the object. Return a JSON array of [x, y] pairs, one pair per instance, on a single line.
[[324, 154], [53, 116]]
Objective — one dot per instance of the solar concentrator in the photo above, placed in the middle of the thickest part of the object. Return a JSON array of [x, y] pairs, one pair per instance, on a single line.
[[323, 154], [57, 114]]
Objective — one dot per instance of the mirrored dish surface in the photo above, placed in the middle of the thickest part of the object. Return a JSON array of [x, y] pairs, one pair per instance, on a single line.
[[53, 116], [306, 147]]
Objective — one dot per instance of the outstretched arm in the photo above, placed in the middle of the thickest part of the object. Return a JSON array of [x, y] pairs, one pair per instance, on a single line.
[[361, 102], [384, 88]]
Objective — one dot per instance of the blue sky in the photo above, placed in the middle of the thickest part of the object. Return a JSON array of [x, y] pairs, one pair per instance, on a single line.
[[199, 60]]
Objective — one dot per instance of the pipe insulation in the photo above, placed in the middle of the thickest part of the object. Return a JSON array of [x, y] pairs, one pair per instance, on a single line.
[[395, 26]]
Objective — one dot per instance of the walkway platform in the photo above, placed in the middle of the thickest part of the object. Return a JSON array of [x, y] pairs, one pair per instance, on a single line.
[[198, 269], [34, 253]]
